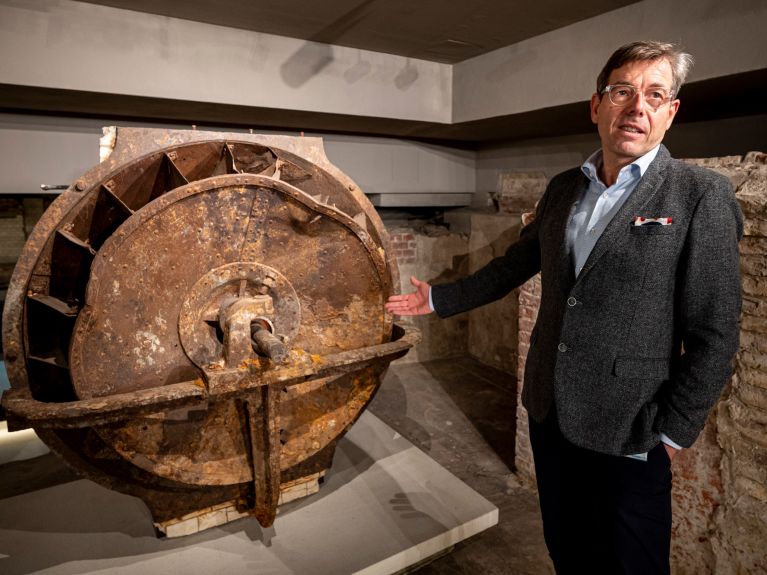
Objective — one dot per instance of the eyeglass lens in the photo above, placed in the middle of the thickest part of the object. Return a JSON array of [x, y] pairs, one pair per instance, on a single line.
[[621, 95]]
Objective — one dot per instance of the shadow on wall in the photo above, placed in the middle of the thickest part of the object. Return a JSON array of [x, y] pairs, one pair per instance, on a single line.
[[311, 58], [406, 77]]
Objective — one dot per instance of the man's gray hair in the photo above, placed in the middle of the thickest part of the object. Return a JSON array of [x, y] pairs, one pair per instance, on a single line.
[[681, 62]]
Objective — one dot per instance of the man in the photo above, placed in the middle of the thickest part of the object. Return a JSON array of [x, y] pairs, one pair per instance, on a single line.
[[638, 322]]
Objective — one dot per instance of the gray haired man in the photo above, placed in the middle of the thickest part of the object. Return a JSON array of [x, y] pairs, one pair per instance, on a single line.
[[638, 325]]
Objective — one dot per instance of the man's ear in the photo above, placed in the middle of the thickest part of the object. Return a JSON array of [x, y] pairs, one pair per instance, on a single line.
[[673, 107], [596, 99]]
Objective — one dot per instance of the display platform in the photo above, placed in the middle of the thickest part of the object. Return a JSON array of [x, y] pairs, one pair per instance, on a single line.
[[385, 506]]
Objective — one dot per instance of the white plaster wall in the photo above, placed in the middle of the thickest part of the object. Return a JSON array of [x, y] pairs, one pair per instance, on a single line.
[[38, 150], [78, 46], [392, 166], [561, 66], [41, 150]]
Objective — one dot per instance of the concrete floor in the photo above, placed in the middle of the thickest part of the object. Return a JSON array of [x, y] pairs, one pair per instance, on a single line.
[[462, 413]]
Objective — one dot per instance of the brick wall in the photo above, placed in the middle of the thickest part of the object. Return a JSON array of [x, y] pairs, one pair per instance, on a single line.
[[720, 484], [18, 215], [739, 524], [403, 245], [436, 255], [12, 235], [529, 302]]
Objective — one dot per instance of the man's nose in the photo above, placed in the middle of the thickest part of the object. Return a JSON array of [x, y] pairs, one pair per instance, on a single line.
[[637, 104]]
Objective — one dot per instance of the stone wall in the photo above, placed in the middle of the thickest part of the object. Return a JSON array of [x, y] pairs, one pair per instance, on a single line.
[[436, 255], [720, 484], [439, 254], [529, 302], [493, 327], [18, 215], [739, 522]]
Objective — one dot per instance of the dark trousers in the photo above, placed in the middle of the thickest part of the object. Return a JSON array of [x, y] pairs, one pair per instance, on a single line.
[[602, 513]]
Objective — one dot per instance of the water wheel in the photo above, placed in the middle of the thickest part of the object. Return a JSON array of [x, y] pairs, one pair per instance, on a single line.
[[199, 319]]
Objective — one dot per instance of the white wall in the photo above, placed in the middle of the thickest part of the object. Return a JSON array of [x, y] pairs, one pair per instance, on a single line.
[[392, 166], [38, 150], [77, 46], [561, 67]]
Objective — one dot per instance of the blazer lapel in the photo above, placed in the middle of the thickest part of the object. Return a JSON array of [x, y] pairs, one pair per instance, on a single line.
[[560, 220], [615, 230]]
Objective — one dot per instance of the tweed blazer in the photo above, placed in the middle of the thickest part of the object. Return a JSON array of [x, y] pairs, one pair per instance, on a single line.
[[642, 342]]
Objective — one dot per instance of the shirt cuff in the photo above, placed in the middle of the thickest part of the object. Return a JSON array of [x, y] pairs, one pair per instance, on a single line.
[[668, 441], [431, 302]]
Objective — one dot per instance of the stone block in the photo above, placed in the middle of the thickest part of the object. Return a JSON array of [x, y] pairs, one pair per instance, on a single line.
[[755, 228], [755, 157], [212, 519], [181, 528], [753, 245], [751, 197], [716, 161], [232, 514], [756, 307], [753, 377], [753, 286], [750, 488], [739, 538], [754, 323], [753, 341], [753, 360], [518, 192], [753, 264]]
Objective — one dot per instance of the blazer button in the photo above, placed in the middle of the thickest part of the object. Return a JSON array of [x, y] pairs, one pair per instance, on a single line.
[[562, 347], [571, 301]]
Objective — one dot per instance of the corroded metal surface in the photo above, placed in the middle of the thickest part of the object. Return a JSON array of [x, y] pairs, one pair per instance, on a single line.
[[202, 315]]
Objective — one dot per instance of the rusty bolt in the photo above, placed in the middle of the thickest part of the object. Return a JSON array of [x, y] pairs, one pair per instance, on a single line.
[[79, 185], [267, 283], [110, 185], [351, 187], [173, 155]]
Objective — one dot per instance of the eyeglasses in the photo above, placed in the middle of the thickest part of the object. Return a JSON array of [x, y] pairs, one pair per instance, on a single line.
[[622, 94]]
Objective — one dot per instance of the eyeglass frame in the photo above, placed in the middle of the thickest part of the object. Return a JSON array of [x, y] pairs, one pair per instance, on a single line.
[[610, 87]]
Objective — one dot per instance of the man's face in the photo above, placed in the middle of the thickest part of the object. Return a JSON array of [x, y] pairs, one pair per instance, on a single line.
[[630, 131]]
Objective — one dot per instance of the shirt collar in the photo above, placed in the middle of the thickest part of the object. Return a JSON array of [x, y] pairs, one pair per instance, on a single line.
[[591, 166]]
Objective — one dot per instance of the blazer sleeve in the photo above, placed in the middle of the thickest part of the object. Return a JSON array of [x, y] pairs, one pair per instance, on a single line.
[[708, 304], [496, 279]]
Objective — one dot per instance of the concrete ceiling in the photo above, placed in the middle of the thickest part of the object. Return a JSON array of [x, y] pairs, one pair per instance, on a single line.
[[447, 31]]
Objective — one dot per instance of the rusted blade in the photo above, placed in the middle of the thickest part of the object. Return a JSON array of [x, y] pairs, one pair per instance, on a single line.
[[264, 439]]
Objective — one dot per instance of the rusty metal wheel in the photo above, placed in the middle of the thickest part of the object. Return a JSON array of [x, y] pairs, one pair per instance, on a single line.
[[201, 315]]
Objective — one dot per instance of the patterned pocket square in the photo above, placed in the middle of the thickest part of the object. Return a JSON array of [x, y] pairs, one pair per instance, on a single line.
[[642, 221]]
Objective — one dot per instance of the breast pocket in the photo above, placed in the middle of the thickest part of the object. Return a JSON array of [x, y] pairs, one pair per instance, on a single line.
[[652, 230]]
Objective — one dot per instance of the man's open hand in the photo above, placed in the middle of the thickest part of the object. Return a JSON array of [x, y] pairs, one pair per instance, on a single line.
[[415, 303]]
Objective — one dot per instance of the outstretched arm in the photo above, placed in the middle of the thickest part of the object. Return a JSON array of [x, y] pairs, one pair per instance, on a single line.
[[415, 303]]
